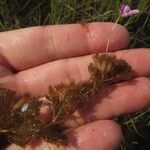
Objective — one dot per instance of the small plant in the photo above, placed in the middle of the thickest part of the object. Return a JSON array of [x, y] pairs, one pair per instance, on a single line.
[[19, 120]]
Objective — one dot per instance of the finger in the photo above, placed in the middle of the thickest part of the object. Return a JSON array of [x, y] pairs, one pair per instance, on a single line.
[[26, 48], [38, 79], [100, 135], [116, 100]]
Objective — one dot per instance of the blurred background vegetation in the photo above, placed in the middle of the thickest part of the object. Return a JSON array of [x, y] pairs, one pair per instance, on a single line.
[[15, 14]]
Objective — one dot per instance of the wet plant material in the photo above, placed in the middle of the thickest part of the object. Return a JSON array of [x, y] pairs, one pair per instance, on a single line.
[[19, 120]]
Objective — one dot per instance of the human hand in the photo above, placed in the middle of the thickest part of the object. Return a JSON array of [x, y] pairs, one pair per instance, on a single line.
[[32, 59]]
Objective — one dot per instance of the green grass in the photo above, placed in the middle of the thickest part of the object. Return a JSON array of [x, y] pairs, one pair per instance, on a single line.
[[16, 14]]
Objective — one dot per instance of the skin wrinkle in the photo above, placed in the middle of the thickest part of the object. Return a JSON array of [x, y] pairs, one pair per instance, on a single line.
[[43, 40], [65, 68], [49, 44], [67, 39], [88, 37]]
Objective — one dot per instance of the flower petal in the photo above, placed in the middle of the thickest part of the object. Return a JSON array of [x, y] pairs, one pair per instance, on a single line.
[[133, 12], [126, 9]]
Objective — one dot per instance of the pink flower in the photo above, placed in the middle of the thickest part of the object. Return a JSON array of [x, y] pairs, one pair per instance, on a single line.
[[126, 11]]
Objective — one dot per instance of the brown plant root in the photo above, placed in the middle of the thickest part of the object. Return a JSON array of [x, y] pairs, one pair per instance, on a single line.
[[19, 116]]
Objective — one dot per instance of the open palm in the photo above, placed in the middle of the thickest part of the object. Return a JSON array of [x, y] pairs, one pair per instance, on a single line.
[[31, 59]]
